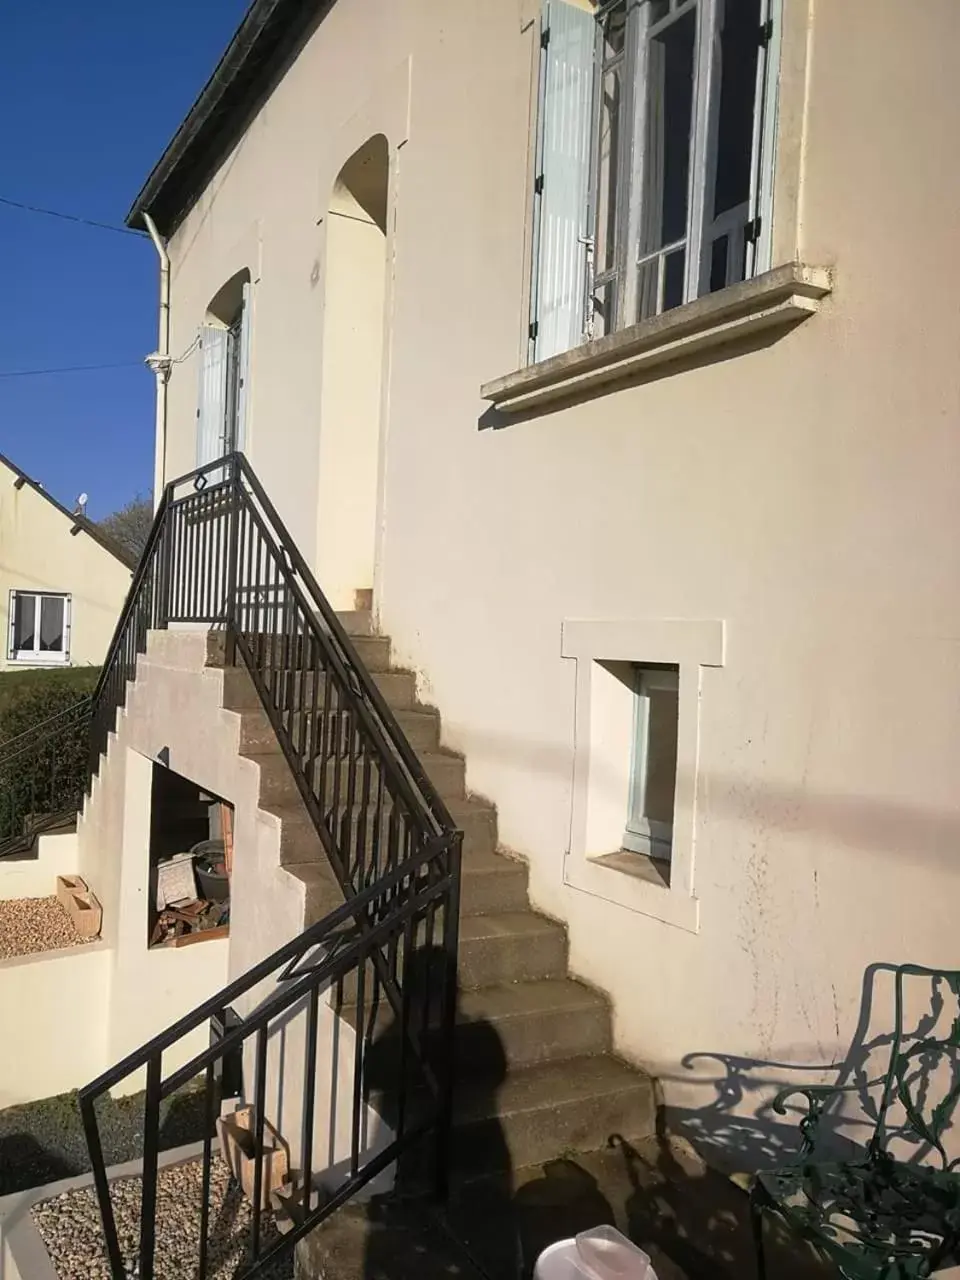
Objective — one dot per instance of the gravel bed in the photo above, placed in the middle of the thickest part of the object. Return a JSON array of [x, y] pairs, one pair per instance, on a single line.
[[30, 925], [70, 1227]]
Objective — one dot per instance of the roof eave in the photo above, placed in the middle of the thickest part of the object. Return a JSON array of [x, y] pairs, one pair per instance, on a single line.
[[269, 31]]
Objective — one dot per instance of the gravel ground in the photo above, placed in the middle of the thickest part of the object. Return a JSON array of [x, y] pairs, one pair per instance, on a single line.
[[70, 1227], [29, 925]]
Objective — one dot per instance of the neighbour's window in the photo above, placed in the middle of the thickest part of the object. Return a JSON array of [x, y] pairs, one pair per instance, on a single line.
[[224, 345], [654, 159], [39, 627], [653, 774]]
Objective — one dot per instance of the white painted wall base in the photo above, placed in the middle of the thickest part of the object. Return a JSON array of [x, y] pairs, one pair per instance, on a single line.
[[57, 855], [53, 1008]]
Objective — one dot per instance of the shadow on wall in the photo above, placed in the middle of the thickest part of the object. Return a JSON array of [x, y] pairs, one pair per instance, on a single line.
[[868, 823], [739, 1131]]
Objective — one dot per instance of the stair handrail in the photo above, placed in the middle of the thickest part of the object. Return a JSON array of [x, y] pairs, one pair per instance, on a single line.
[[348, 656], [50, 724], [343, 948]]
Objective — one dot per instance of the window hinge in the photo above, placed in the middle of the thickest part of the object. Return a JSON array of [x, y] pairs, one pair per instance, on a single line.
[[534, 330], [766, 33], [751, 232], [538, 185], [544, 37]]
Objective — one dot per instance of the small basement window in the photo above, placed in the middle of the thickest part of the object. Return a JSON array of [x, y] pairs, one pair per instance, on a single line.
[[653, 770], [39, 627], [191, 862]]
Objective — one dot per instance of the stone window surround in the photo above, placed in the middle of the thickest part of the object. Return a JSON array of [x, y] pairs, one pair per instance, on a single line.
[[631, 880]]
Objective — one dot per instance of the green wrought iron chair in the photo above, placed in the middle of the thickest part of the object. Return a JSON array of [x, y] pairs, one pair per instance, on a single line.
[[878, 1217]]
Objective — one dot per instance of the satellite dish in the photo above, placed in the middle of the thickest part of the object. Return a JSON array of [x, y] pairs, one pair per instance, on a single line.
[[83, 500]]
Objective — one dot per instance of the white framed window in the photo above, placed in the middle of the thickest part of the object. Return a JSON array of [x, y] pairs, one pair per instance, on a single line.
[[653, 766], [39, 627], [224, 347], [636, 744], [654, 159]]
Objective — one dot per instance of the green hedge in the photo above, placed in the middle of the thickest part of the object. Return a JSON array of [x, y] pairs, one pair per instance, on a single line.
[[45, 774]]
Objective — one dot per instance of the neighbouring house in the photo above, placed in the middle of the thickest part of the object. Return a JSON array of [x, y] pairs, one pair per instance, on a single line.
[[578, 349], [62, 580]]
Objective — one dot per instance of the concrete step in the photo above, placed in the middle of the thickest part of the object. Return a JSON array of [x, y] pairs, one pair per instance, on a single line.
[[510, 946], [513, 1026], [475, 818], [495, 950], [421, 728], [290, 651], [277, 784], [538, 1111], [356, 622], [492, 883], [295, 691], [528, 1115]]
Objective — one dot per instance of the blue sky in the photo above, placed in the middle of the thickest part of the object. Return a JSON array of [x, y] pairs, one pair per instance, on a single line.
[[90, 93]]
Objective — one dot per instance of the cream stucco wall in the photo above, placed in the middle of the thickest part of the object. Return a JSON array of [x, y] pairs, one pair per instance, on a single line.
[[39, 553], [175, 708], [802, 492]]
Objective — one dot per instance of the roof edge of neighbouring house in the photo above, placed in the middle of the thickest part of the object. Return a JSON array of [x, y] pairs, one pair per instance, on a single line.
[[78, 522]]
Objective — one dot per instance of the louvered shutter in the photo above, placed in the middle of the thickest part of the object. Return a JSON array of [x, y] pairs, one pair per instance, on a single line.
[[212, 399], [563, 178]]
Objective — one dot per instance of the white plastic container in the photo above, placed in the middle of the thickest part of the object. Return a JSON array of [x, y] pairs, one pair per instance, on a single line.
[[599, 1254]]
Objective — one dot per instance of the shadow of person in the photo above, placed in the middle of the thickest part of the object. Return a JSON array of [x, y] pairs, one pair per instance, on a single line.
[[26, 1163], [405, 1084], [561, 1204]]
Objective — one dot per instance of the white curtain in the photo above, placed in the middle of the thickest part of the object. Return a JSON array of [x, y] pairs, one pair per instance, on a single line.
[[565, 150]]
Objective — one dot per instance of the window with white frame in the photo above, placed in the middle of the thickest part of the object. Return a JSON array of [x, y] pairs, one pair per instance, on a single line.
[[39, 627], [653, 772], [654, 159], [224, 348]]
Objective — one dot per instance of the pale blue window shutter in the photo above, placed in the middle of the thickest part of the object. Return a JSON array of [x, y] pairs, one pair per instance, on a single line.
[[563, 178], [243, 394], [212, 400]]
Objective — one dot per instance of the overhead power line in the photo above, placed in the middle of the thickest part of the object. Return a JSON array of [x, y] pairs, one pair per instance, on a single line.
[[71, 217], [71, 368]]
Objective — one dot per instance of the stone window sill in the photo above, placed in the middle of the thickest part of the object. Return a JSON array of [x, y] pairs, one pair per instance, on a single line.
[[776, 300]]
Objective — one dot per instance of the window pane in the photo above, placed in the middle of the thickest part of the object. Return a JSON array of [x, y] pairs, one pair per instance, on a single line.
[[24, 622], [608, 167], [604, 306], [648, 289], [51, 624], [661, 754], [673, 279], [614, 32], [669, 112], [739, 49]]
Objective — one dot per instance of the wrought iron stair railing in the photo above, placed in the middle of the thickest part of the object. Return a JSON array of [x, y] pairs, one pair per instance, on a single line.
[[43, 773], [218, 554]]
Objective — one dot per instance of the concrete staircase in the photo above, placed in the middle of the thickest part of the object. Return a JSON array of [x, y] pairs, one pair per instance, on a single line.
[[537, 1076]]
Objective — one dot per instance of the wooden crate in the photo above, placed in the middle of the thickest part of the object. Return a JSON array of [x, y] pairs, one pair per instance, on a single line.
[[81, 905], [237, 1144]]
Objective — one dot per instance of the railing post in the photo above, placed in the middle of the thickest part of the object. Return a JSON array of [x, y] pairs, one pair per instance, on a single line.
[[451, 993], [230, 604], [164, 584]]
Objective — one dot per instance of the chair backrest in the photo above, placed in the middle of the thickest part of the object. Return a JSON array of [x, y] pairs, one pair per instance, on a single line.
[[922, 1084]]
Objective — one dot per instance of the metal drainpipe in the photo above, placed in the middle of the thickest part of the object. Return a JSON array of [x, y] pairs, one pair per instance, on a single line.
[[159, 361]]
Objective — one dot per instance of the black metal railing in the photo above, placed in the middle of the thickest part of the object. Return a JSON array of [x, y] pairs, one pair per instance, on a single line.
[[329, 971], [43, 773], [219, 554]]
